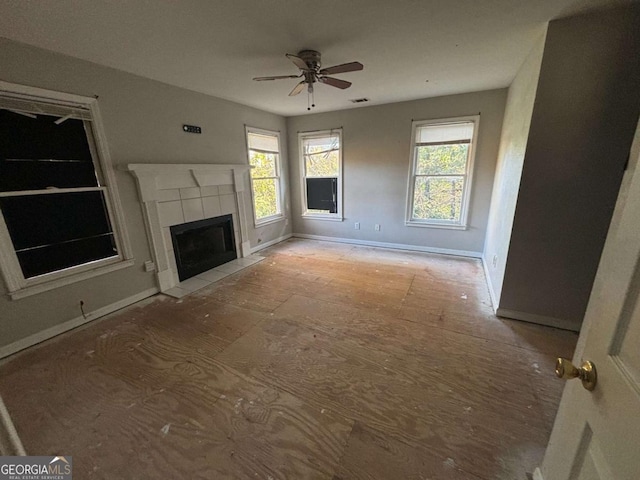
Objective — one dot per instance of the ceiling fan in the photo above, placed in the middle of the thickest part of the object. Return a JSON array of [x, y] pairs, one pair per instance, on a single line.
[[308, 61]]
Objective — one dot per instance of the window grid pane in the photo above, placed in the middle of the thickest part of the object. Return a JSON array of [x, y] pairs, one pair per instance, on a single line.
[[322, 156], [438, 197], [266, 197], [36, 153], [442, 159], [263, 142], [263, 164], [52, 232], [324, 164], [445, 132]]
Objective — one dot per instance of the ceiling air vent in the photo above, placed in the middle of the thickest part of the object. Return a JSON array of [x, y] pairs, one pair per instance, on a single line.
[[359, 100]]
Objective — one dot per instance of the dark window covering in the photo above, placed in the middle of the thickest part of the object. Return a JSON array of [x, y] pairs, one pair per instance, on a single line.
[[322, 194], [56, 231], [51, 231], [35, 153]]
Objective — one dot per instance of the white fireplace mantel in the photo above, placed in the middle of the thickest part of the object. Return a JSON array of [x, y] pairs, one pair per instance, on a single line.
[[156, 181]]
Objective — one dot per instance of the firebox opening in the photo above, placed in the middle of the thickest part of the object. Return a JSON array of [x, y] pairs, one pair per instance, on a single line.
[[202, 245]]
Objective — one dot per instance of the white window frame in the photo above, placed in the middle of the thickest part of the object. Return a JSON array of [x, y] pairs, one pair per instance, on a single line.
[[17, 285], [468, 175], [279, 197], [336, 217]]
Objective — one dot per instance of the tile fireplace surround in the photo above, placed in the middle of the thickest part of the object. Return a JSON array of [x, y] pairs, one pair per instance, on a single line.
[[173, 194]]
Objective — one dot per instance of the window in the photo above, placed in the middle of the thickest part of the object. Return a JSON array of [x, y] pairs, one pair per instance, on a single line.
[[264, 159], [56, 206], [441, 170], [321, 168]]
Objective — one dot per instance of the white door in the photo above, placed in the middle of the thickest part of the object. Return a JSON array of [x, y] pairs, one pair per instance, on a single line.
[[596, 435]]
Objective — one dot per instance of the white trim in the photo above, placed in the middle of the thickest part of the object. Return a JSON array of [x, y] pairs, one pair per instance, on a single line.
[[270, 220], [303, 174], [27, 92], [11, 270], [158, 169], [264, 245], [319, 216], [468, 175], [109, 178], [11, 443], [51, 332], [492, 293], [69, 278], [53, 191], [394, 246], [562, 323], [422, 224], [537, 474]]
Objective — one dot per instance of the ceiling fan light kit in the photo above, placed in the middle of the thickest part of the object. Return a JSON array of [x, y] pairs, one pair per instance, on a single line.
[[309, 63]]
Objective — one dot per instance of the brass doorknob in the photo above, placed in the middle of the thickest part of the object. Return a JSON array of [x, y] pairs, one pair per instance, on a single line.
[[587, 372]]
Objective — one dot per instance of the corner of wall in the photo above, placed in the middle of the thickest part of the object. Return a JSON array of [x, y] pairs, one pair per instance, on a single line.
[[495, 300], [510, 161]]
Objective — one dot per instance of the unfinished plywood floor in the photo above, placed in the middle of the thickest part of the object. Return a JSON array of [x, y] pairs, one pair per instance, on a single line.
[[325, 361]]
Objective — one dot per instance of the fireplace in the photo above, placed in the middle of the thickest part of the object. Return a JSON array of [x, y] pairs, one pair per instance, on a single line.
[[202, 245], [175, 194]]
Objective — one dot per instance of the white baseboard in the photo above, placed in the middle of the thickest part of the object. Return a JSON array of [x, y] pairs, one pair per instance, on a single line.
[[540, 319], [394, 246], [492, 292], [264, 245], [537, 474], [51, 332]]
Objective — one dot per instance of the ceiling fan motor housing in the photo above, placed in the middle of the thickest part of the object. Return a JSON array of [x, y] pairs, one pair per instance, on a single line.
[[311, 58]]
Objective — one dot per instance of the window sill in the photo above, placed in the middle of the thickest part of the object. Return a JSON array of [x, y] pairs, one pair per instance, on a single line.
[[331, 218], [435, 225], [68, 280], [269, 221]]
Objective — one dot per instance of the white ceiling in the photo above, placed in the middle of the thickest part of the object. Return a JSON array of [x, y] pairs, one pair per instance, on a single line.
[[216, 47]]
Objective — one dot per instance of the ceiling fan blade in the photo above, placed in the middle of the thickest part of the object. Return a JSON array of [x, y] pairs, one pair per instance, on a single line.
[[297, 89], [335, 82], [342, 68], [300, 63], [278, 77]]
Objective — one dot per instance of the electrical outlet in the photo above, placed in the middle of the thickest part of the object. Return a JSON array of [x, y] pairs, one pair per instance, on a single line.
[[377, 227], [356, 225], [495, 261]]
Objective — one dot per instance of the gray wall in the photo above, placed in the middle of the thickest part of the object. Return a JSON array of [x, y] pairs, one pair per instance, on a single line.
[[513, 141], [376, 159], [584, 117], [143, 121]]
